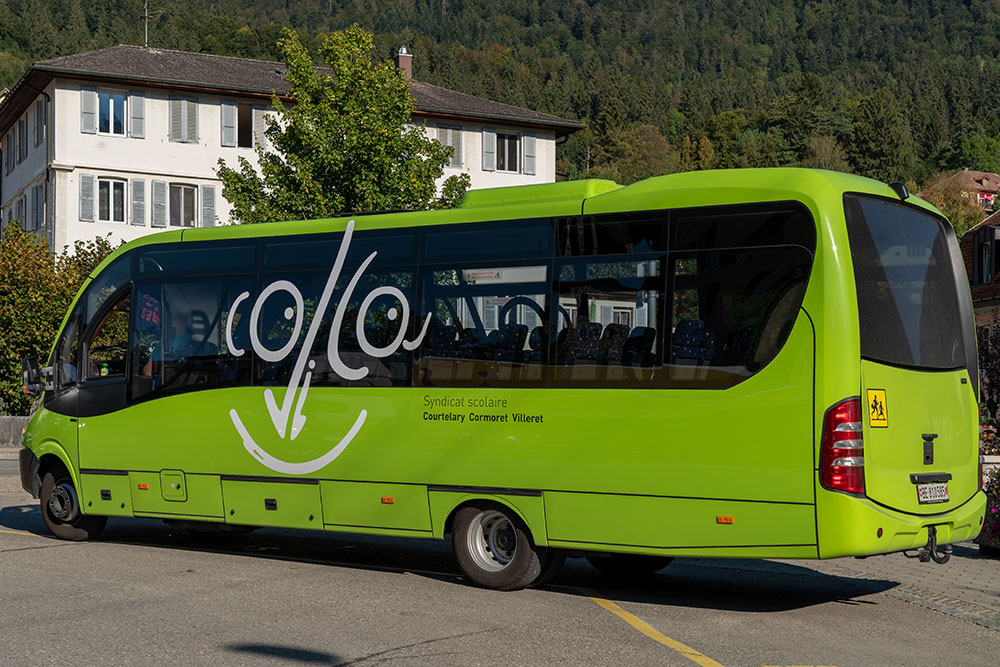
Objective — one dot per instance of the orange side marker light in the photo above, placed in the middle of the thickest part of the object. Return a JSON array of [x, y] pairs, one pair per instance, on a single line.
[[388, 500], [727, 520], [144, 487]]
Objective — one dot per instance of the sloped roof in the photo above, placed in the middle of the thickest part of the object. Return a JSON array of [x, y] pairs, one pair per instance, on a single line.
[[978, 181], [182, 69]]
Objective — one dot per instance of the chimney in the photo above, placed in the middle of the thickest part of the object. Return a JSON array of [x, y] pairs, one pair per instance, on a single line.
[[404, 61]]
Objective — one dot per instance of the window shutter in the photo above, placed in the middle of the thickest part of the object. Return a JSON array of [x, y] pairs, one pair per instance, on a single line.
[[88, 110], [228, 124], [528, 163], [176, 121], [191, 116], [138, 212], [208, 206], [87, 197], [39, 123], [606, 315], [137, 115], [259, 126], [159, 197], [489, 150]]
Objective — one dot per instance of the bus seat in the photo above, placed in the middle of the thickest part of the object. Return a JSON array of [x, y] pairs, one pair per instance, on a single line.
[[612, 343], [693, 341], [583, 343], [638, 348], [537, 341]]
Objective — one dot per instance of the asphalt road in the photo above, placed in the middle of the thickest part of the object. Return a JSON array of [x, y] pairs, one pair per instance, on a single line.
[[146, 593]]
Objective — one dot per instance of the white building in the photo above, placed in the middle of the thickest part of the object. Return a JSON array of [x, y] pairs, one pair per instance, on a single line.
[[126, 140]]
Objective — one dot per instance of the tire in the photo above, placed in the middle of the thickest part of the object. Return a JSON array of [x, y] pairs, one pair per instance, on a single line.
[[552, 562], [989, 551], [624, 566], [494, 548], [61, 509]]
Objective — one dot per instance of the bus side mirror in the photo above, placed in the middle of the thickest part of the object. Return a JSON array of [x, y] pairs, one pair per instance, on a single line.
[[35, 380]]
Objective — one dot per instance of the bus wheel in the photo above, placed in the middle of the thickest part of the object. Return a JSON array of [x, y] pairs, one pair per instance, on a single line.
[[61, 509], [494, 549], [629, 565], [552, 562]]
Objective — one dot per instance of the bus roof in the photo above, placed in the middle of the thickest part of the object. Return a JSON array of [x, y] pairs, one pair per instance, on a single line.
[[591, 196]]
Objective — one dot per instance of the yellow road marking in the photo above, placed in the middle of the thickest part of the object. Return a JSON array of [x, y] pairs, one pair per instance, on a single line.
[[655, 634], [16, 532]]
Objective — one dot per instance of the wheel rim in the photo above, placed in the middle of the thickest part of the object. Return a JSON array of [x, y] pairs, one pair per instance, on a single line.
[[63, 505], [492, 540]]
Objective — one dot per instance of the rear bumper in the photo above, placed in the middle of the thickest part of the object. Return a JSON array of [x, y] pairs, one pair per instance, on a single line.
[[30, 480], [851, 526]]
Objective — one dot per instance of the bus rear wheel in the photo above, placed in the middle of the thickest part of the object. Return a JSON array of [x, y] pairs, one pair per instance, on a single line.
[[629, 565], [61, 509], [494, 548]]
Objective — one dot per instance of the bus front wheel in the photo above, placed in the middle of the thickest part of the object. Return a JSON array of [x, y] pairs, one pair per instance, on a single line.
[[494, 548], [61, 509]]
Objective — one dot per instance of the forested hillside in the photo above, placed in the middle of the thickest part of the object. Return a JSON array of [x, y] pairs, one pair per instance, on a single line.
[[896, 90]]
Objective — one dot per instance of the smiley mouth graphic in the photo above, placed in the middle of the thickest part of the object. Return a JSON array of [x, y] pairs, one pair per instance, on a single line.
[[305, 467]]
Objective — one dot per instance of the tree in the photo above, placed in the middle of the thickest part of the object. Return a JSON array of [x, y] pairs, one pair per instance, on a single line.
[[824, 152], [945, 192], [979, 153], [343, 143], [881, 147], [35, 291]]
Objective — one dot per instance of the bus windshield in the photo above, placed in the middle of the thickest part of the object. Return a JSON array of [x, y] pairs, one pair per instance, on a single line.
[[908, 298]]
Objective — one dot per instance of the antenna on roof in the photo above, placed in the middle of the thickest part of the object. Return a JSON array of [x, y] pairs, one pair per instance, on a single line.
[[146, 16]]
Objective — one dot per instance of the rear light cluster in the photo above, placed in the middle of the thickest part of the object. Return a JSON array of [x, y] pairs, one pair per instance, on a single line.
[[842, 460]]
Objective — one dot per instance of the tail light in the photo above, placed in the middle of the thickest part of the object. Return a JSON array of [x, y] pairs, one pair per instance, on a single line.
[[842, 460]]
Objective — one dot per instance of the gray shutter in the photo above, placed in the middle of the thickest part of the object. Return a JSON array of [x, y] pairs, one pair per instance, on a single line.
[[88, 110], [176, 121], [191, 116], [528, 164], [39, 125], [87, 197], [138, 192], [208, 206], [259, 126], [228, 124], [137, 115], [159, 197], [489, 149]]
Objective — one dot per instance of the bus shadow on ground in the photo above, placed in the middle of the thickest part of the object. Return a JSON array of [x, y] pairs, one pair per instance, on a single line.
[[723, 584]]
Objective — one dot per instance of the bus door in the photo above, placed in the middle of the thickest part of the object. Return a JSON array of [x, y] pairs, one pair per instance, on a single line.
[[101, 395], [919, 374]]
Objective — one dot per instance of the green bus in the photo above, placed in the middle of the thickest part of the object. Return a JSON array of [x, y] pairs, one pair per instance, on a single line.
[[769, 363]]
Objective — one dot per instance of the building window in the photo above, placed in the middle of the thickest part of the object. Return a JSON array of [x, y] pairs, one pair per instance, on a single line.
[[110, 200], [452, 136], [111, 113], [39, 122], [37, 207], [507, 152], [8, 150], [987, 269], [184, 120], [20, 211], [182, 205]]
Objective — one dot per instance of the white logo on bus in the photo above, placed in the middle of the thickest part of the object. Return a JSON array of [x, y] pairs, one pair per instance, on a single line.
[[298, 384]]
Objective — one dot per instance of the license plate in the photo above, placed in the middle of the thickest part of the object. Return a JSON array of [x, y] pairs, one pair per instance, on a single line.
[[932, 493]]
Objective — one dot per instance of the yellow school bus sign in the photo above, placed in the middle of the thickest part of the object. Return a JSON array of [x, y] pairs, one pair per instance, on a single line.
[[878, 412]]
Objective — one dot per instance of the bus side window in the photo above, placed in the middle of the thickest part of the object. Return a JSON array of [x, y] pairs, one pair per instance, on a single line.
[[108, 345], [179, 336], [67, 352], [609, 321], [738, 276]]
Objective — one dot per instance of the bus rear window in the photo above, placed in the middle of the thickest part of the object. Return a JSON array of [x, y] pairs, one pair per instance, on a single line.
[[907, 292]]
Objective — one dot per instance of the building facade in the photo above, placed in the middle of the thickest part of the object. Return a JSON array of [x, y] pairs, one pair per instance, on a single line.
[[124, 141]]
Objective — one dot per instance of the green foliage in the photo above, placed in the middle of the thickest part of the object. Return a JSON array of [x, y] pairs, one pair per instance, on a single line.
[[342, 144], [945, 192], [806, 70], [35, 291]]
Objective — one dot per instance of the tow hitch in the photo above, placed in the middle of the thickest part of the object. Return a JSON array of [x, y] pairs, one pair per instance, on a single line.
[[929, 552]]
